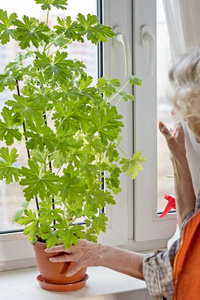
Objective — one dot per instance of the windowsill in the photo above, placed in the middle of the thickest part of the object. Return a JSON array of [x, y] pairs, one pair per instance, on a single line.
[[103, 283]]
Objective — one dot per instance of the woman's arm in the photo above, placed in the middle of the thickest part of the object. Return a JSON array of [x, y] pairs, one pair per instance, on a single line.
[[87, 254], [184, 191]]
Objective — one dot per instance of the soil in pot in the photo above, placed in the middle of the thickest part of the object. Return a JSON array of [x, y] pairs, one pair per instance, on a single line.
[[54, 274]]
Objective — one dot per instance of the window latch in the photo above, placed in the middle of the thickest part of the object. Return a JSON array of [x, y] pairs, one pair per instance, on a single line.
[[121, 40], [148, 40]]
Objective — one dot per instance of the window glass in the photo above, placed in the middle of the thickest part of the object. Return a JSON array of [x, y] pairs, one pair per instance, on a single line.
[[165, 172], [11, 196]]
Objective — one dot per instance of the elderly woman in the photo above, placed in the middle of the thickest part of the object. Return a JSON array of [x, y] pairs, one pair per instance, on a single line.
[[157, 268]]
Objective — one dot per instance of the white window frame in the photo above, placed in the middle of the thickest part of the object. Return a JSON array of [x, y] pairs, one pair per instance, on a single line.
[[133, 222], [137, 204], [148, 225], [118, 13]]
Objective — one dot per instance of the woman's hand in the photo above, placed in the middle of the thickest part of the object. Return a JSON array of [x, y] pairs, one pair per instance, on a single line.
[[184, 191], [175, 141], [88, 254], [85, 254]]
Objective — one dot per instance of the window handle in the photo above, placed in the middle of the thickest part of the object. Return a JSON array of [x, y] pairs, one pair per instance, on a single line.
[[121, 40], [148, 40]]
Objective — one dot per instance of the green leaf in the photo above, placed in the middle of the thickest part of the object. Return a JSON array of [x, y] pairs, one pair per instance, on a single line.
[[112, 153], [134, 80], [70, 29], [94, 31], [88, 167], [131, 166], [14, 71], [69, 234], [113, 182], [70, 116], [46, 4], [71, 189], [61, 41], [32, 229], [8, 130], [40, 136], [107, 124], [7, 79], [7, 170], [91, 235], [48, 215], [68, 237], [88, 21], [99, 223], [26, 107], [60, 68], [97, 199], [108, 85], [84, 82], [50, 236], [43, 185], [39, 156], [20, 212], [31, 31], [5, 24], [126, 96], [29, 217]]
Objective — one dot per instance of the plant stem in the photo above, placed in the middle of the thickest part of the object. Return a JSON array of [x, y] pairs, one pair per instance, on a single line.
[[122, 151], [24, 126], [28, 152], [118, 91], [61, 48], [59, 170], [54, 42], [29, 51], [50, 167], [47, 17], [118, 101]]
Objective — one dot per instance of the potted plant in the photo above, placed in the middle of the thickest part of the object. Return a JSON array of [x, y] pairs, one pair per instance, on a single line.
[[71, 132]]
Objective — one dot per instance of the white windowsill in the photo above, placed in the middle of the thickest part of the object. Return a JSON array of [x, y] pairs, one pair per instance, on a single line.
[[103, 284]]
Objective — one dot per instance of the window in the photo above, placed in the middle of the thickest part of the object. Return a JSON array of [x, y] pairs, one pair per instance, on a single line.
[[148, 225], [134, 221], [11, 195], [13, 245]]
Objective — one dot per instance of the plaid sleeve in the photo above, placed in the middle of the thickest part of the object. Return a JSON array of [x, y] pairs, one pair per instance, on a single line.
[[158, 274]]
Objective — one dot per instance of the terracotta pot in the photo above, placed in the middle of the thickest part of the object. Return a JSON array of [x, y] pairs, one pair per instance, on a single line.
[[55, 273]]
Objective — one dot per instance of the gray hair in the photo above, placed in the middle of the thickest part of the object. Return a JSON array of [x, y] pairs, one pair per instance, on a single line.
[[184, 76]]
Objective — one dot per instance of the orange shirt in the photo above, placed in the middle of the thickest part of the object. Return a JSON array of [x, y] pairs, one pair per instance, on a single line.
[[186, 269]]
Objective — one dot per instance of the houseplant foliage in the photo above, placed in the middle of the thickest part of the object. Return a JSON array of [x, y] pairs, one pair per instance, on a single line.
[[71, 131]]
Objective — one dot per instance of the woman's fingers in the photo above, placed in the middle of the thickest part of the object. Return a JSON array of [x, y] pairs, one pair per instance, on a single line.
[[59, 248], [67, 258], [168, 134], [62, 258], [175, 140], [165, 131], [73, 271], [177, 133]]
